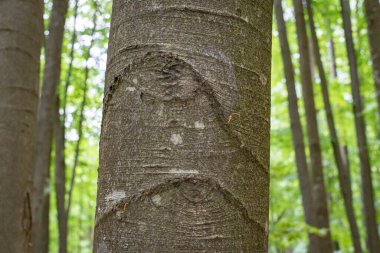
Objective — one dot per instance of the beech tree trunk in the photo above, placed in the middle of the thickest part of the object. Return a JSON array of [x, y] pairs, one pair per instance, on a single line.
[[46, 115], [21, 35], [372, 10], [365, 166], [319, 192], [296, 127], [184, 152], [344, 182]]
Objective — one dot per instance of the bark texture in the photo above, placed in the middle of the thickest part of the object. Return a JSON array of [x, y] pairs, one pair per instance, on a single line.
[[365, 166], [46, 115], [296, 127], [319, 192], [344, 182], [372, 10], [184, 153], [21, 34]]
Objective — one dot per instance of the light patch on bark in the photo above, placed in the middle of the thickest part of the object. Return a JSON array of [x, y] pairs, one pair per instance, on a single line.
[[115, 196], [181, 171], [135, 81], [176, 139], [130, 88], [156, 199], [199, 125], [263, 79]]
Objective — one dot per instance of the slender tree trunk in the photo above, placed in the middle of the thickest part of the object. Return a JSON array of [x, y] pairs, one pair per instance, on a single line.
[[344, 183], [184, 150], [62, 212], [46, 115], [365, 167], [333, 68], [81, 112], [319, 192], [296, 127], [60, 181], [21, 35], [372, 10]]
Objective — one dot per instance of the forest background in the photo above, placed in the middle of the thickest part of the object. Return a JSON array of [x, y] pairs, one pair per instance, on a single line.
[[83, 73]]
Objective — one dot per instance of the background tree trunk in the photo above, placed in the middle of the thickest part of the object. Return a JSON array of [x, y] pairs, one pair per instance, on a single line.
[[344, 183], [184, 153], [296, 127], [60, 181], [46, 115], [60, 147], [365, 167], [21, 34], [372, 10], [319, 192]]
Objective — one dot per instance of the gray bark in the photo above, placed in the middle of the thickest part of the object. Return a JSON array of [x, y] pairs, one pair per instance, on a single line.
[[21, 35], [296, 127], [372, 10], [344, 182], [46, 115], [184, 152], [369, 211], [319, 192]]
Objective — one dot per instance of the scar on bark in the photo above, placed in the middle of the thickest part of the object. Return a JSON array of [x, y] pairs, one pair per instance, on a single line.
[[194, 189], [169, 80], [26, 221]]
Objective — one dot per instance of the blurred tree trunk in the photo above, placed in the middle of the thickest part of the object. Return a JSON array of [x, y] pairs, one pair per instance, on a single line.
[[372, 10], [296, 127], [333, 68], [45, 123], [60, 147], [21, 35], [184, 152], [319, 192], [344, 182], [365, 167], [60, 180]]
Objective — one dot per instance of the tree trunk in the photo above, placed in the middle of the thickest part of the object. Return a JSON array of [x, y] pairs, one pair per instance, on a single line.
[[296, 127], [60, 164], [46, 115], [365, 167], [184, 152], [21, 34], [82, 107], [319, 192], [372, 10], [345, 184], [60, 180], [333, 68]]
